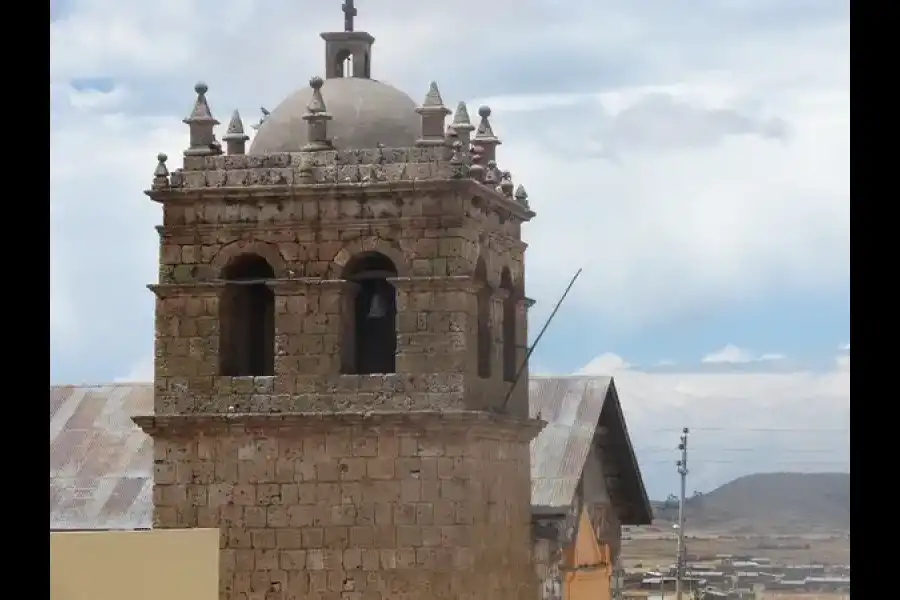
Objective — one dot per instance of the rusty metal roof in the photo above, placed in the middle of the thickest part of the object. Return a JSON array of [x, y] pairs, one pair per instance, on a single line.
[[101, 464], [574, 407], [571, 407]]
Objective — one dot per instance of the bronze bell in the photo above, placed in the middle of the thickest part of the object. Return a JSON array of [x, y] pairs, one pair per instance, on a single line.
[[377, 309]]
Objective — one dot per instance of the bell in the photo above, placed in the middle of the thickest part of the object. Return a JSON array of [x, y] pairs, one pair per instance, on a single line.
[[377, 309]]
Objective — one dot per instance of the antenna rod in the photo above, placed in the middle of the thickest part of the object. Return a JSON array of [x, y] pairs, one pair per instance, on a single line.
[[515, 380]]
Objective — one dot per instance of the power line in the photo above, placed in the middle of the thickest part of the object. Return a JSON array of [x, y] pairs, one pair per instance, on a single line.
[[763, 462], [762, 429], [656, 450]]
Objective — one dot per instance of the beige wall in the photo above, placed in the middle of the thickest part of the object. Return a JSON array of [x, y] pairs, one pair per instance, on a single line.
[[178, 564]]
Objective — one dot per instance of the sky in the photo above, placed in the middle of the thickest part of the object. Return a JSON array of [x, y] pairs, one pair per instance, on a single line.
[[692, 158]]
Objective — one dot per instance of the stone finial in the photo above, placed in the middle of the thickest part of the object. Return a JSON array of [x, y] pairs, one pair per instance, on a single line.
[[462, 124], [521, 195], [235, 139], [506, 184], [451, 136], [457, 158], [317, 118], [493, 174], [434, 114], [476, 169], [484, 134], [160, 173], [202, 126]]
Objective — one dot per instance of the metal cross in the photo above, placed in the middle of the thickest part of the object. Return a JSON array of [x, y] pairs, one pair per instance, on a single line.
[[349, 13]]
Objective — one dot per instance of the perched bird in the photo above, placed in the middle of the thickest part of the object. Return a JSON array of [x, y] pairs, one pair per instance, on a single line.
[[265, 114]]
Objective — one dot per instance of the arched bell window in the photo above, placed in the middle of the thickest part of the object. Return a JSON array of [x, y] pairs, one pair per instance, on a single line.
[[345, 62], [371, 332], [247, 318], [509, 326], [484, 333]]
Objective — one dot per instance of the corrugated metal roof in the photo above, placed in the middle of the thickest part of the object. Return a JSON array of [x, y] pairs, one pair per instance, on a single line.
[[101, 464], [571, 407]]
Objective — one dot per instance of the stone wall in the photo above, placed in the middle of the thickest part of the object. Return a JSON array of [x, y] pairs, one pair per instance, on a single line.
[[434, 237], [547, 556], [353, 507]]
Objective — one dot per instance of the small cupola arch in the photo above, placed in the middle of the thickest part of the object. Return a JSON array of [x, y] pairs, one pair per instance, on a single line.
[[247, 318], [370, 331]]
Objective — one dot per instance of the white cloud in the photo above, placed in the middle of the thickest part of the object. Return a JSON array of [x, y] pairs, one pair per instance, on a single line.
[[741, 422], [683, 167], [728, 354], [605, 364], [141, 371], [734, 355], [843, 362]]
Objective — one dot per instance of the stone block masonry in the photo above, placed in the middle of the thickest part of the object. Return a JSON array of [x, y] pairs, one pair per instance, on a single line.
[[353, 506]]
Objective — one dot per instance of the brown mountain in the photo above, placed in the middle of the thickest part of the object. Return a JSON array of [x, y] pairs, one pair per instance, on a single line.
[[781, 501]]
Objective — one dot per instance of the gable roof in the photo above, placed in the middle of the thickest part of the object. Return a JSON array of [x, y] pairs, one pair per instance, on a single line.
[[101, 464], [582, 411]]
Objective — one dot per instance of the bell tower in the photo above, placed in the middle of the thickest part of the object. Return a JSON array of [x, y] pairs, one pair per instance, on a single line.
[[339, 333]]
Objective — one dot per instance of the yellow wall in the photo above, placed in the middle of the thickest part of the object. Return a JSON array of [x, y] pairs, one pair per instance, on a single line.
[[175, 564]]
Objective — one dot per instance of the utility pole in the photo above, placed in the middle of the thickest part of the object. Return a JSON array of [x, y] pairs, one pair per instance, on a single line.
[[682, 471]]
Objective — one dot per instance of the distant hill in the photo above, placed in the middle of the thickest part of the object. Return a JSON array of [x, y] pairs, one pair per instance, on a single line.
[[770, 501]]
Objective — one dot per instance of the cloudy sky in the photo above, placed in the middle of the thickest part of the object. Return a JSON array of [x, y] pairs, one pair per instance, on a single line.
[[692, 157]]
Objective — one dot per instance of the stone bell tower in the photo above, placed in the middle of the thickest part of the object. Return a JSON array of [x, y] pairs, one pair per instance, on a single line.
[[340, 320]]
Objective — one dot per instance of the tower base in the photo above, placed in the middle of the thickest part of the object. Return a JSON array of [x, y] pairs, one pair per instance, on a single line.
[[362, 506]]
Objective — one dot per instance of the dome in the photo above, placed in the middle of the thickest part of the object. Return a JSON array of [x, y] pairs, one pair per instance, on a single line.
[[365, 113]]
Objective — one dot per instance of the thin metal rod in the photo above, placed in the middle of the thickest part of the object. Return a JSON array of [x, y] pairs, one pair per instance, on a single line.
[[263, 281], [528, 354], [364, 276]]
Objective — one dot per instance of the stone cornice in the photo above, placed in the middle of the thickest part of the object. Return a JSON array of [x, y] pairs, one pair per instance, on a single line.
[[317, 191], [348, 224], [508, 207], [452, 423], [312, 285]]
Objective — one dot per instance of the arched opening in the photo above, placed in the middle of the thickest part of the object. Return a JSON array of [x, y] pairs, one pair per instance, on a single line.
[[247, 318], [484, 342], [371, 331], [345, 64], [509, 326]]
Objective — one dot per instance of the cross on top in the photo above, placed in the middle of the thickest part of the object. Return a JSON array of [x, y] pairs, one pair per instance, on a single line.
[[349, 13]]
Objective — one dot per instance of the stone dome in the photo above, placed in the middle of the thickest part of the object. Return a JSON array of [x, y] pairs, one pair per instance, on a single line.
[[365, 113]]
